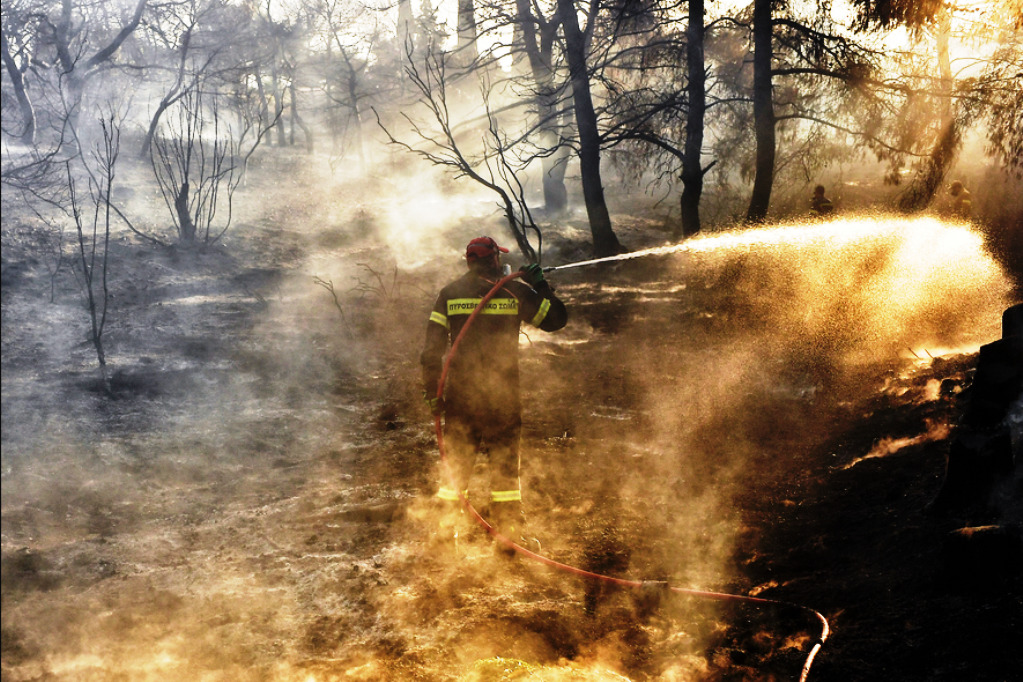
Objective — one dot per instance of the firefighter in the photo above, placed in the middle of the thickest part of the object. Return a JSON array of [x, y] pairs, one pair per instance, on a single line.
[[961, 205], [820, 205], [481, 403]]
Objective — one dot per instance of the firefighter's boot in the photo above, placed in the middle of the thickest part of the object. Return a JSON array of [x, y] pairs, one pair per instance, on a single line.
[[451, 525], [507, 518]]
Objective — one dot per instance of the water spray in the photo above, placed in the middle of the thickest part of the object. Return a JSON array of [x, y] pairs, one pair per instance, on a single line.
[[831, 233], [624, 256]]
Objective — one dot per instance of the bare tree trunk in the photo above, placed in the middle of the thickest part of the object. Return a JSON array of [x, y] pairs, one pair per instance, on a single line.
[[925, 185], [406, 49], [296, 119], [172, 96], [405, 24], [518, 44], [154, 123], [763, 112], [186, 227], [555, 194], [692, 169], [352, 86], [28, 114], [278, 95], [466, 50], [333, 120], [264, 103], [555, 159], [943, 30], [291, 121], [605, 242]]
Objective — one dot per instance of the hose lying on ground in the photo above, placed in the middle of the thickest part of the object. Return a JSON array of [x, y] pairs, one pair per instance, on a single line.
[[621, 582]]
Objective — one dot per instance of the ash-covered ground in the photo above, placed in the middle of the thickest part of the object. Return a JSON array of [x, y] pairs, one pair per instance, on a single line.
[[250, 498]]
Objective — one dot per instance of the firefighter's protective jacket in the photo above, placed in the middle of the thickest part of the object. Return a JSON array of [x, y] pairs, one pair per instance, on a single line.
[[821, 205], [484, 374]]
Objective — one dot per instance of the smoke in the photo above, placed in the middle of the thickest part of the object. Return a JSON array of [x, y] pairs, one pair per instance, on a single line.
[[202, 527], [735, 357]]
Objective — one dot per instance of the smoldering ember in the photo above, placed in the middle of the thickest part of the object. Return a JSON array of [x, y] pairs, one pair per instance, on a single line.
[[777, 438]]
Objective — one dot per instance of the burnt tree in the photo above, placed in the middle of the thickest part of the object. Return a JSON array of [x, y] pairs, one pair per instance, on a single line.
[[696, 90], [537, 37], [763, 111], [605, 242]]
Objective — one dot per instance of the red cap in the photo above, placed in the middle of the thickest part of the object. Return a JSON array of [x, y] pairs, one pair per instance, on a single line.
[[482, 247]]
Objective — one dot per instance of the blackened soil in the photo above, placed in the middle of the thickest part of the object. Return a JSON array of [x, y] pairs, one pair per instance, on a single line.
[[245, 494]]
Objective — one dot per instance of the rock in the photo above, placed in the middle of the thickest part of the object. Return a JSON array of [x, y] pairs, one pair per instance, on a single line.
[[981, 456]]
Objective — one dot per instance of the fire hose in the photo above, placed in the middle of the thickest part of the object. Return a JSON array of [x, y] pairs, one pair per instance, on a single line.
[[620, 582]]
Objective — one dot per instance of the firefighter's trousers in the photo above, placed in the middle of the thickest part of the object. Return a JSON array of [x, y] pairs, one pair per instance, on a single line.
[[464, 437]]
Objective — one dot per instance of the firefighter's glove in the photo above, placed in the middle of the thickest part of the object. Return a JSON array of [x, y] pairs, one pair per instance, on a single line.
[[435, 404], [532, 274]]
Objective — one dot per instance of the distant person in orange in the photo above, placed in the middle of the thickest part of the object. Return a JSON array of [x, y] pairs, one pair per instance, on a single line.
[[820, 205], [961, 205]]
